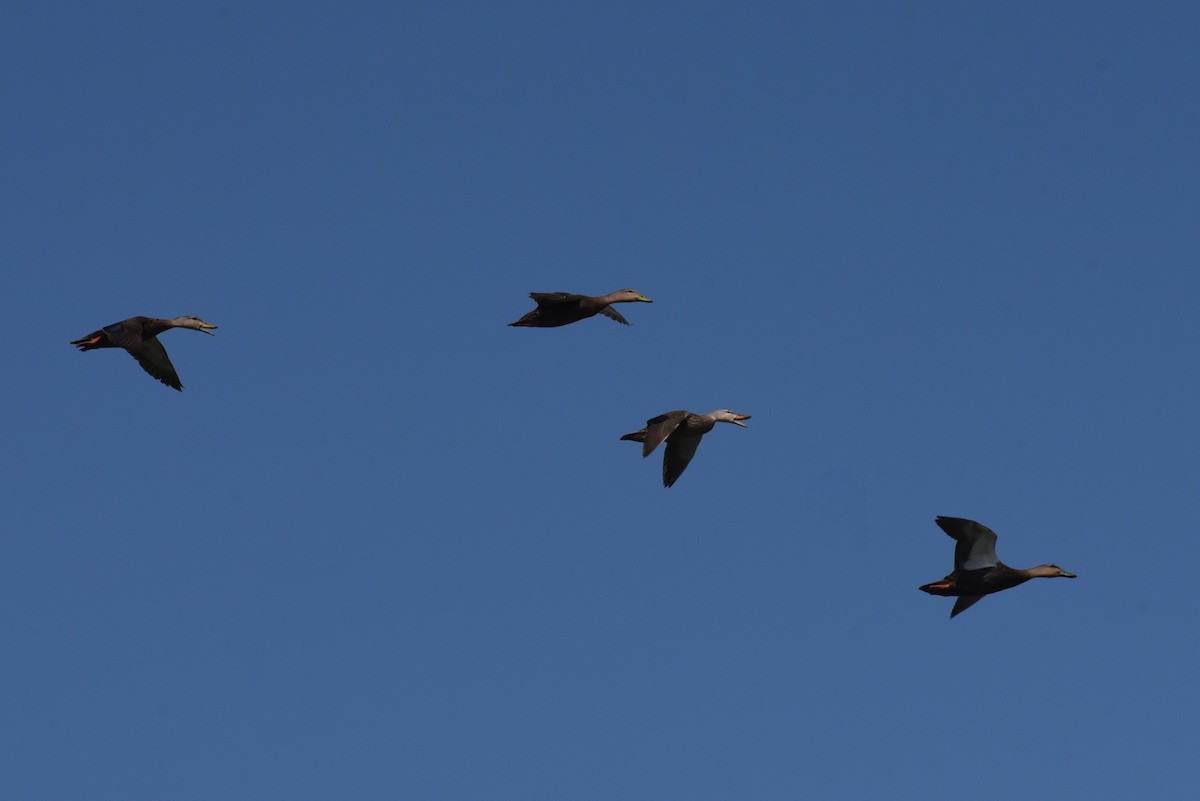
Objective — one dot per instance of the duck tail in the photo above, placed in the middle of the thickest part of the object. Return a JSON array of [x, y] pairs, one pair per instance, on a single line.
[[96, 339]]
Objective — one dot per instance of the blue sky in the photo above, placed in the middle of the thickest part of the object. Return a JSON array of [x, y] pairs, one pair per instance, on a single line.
[[383, 546]]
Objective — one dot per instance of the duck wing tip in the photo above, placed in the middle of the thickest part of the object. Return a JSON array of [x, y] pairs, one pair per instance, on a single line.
[[613, 314], [963, 603]]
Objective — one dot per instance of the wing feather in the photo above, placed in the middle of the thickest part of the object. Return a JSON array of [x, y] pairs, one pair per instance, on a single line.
[[680, 450], [555, 298], [975, 543], [613, 314], [964, 602], [659, 428], [152, 356]]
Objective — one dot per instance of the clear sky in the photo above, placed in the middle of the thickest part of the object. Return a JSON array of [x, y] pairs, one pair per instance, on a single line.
[[385, 547]]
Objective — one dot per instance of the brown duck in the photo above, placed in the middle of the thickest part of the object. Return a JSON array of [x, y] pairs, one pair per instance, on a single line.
[[560, 308], [977, 571], [139, 336], [682, 430]]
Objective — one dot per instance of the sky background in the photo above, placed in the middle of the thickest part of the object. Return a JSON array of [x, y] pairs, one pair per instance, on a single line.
[[383, 546]]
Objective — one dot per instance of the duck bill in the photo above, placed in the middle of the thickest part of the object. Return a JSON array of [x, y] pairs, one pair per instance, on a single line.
[[737, 421], [1065, 574], [204, 329], [643, 299]]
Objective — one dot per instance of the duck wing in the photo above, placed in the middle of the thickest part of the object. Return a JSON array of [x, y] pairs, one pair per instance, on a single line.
[[680, 450], [975, 544], [659, 428], [152, 356], [964, 602], [555, 298], [613, 314], [149, 352]]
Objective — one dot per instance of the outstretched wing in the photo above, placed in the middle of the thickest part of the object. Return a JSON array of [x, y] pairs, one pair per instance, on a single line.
[[613, 314], [964, 602], [975, 543], [149, 352], [659, 428], [152, 356], [680, 451]]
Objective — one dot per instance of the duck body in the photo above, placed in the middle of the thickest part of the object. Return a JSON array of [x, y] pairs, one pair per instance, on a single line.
[[139, 337], [682, 430], [977, 570], [983, 581], [562, 308]]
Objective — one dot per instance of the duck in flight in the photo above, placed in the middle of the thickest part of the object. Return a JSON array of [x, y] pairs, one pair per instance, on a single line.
[[139, 336], [977, 571], [561, 308], [682, 430]]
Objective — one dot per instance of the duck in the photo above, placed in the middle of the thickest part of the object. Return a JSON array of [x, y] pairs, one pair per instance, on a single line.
[[682, 430], [139, 337], [977, 571], [562, 308]]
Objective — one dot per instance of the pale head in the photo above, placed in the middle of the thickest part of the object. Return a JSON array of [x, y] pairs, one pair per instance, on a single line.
[[194, 323], [1049, 571], [729, 416], [628, 296]]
